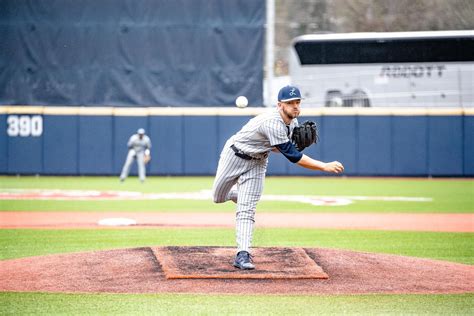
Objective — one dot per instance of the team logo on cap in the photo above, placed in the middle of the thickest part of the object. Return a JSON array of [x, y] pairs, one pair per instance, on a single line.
[[292, 92]]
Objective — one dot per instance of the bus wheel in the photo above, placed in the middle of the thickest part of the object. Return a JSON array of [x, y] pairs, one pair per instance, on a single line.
[[334, 98], [359, 99]]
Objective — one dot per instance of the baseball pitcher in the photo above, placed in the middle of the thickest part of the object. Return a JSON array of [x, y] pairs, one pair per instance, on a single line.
[[139, 146], [244, 158]]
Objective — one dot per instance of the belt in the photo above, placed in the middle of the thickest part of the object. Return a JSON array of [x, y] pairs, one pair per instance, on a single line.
[[242, 155]]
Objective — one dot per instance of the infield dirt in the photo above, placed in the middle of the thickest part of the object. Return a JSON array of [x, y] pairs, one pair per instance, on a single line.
[[365, 221]]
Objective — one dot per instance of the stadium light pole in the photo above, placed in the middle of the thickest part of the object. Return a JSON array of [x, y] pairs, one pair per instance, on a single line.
[[270, 51]]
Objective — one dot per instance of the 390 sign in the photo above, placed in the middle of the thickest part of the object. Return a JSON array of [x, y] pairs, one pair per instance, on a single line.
[[25, 125]]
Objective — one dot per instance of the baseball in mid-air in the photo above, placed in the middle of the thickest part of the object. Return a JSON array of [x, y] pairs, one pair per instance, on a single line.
[[241, 102]]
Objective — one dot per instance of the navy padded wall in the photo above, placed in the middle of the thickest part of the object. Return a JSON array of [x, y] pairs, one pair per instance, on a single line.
[[25, 155], [445, 145], [410, 145], [3, 144], [374, 145], [200, 151], [166, 133], [468, 145], [60, 144], [339, 141], [96, 144], [190, 145]]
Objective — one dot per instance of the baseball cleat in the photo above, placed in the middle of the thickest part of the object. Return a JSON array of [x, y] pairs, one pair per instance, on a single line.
[[243, 260]]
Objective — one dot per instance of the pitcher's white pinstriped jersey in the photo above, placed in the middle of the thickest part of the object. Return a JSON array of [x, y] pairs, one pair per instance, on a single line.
[[241, 180], [262, 133]]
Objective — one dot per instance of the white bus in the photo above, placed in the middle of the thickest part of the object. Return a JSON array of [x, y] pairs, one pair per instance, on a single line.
[[420, 69]]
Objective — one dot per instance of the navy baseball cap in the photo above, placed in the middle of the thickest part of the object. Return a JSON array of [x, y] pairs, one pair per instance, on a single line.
[[289, 93]]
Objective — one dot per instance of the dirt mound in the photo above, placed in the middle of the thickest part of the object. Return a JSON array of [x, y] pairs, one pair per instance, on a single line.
[[138, 270], [272, 263]]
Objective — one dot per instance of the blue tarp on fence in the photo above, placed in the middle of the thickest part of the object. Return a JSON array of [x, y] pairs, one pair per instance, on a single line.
[[131, 53]]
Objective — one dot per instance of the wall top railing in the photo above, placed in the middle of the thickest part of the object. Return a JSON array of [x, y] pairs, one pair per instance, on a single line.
[[226, 111]]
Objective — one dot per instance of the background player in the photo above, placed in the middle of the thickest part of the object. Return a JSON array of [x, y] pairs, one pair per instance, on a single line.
[[139, 146], [243, 163]]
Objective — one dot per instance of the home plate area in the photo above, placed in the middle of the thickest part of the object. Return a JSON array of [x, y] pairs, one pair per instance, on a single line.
[[216, 263]]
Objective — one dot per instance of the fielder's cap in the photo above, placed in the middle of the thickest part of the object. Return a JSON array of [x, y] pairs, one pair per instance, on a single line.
[[289, 93], [141, 131]]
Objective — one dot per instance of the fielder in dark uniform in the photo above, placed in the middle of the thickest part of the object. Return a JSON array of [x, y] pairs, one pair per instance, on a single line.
[[243, 164]]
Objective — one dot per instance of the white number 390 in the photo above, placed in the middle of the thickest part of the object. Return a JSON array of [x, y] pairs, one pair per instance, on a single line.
[[25, 125]]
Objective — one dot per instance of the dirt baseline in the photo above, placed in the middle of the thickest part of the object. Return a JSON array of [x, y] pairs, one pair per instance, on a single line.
[[138, 270]]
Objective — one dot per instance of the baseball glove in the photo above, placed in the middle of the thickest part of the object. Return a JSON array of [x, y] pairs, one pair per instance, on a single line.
[[146, 159], [147, 156], [305, 135]]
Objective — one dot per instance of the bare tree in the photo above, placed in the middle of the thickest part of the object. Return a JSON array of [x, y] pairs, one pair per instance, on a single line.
[[402, 15], [298, 17]]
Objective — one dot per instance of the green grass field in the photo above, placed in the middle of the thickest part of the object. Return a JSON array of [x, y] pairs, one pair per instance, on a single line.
[[448, 196]]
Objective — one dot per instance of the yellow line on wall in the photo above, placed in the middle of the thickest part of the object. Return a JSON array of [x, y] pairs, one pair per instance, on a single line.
[[226, 111]]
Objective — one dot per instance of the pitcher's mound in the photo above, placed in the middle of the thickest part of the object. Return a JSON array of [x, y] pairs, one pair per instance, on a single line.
[[140, 270], [216, 263]]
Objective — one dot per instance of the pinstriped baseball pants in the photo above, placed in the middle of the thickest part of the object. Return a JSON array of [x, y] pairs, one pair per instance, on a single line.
[[140, 156], [248, 177]]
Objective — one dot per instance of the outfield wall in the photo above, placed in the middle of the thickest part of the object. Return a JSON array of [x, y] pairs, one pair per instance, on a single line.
[[187, 141]]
